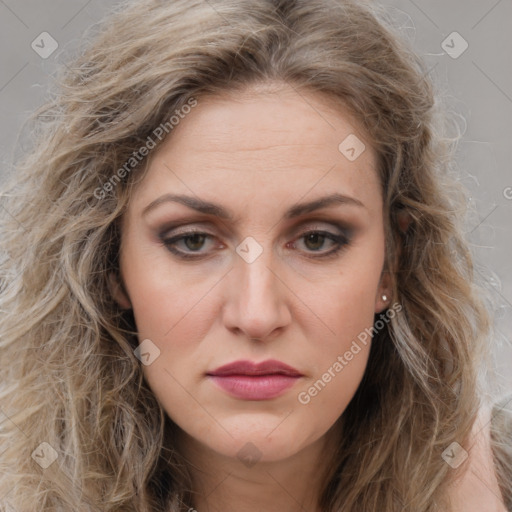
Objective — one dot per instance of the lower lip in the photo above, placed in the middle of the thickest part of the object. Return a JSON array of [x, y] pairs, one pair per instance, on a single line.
[[262, 387]]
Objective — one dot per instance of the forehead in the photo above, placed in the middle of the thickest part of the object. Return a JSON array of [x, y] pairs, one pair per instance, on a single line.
[[257, 119], [283, 142]]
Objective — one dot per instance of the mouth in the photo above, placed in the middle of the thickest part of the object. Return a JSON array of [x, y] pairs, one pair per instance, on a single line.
[[247, 380]]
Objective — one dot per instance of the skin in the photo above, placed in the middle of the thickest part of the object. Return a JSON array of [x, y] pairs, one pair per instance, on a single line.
[[476, 488], [256, 153]]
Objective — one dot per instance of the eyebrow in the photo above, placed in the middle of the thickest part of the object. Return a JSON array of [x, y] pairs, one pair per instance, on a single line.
[[217, 210]]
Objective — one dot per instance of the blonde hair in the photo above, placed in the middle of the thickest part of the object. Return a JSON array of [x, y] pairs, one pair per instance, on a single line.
[[69, 376]]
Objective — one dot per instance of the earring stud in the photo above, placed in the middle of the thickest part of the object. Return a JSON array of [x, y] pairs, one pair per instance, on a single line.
[[385, 298]]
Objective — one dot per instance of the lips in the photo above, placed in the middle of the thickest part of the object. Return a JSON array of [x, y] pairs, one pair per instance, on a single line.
[[269, 367], [247, 380]]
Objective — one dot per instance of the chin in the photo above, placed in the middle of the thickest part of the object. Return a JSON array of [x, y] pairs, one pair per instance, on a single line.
[[258, 439]]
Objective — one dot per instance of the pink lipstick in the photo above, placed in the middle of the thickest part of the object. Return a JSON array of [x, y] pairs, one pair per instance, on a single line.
[[255, 381]]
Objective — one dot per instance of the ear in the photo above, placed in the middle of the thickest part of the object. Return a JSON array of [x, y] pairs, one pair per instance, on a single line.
[[383, 298], [118, 291]]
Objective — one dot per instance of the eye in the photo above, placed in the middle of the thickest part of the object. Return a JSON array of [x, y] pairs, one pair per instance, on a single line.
[[192, 241], [315, 240]]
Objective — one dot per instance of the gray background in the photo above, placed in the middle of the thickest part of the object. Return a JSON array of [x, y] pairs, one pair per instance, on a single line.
[[477, 85]]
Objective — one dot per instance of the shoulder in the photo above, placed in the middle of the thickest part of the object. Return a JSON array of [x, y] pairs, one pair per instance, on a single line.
[[477, 488]]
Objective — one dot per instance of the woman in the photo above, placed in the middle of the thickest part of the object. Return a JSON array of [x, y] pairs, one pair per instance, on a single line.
[[235, 277]]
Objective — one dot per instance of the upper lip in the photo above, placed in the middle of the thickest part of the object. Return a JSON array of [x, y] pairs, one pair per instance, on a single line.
[[245, 367]]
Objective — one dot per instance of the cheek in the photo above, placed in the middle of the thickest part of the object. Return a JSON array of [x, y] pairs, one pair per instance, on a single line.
[[338, 360], [340, 355], [166, 300], [174, 310], [347, 304], [327, 395]]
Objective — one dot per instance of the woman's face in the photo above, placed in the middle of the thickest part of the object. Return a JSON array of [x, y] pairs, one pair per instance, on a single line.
[[283, 262]]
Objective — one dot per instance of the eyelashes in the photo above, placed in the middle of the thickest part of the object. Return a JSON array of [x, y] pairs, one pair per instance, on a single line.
[[171, 243], [192, 243]]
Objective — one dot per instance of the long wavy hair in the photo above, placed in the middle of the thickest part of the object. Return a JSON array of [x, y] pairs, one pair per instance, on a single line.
[[68, 374]]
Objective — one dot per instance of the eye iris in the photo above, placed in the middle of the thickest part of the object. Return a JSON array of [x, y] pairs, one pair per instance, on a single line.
[[197, 241], [315, 237]]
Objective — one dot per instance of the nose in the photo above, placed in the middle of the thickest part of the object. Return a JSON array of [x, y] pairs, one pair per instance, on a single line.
[[256, 299]]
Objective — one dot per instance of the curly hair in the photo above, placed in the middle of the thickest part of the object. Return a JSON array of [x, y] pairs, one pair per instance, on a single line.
[[68, 373]]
